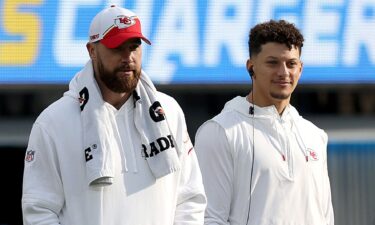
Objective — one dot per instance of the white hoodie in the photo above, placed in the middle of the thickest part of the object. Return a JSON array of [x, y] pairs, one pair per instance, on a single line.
[[55, 189], [288, 178]]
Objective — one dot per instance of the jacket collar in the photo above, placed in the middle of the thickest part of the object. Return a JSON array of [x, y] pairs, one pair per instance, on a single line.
[[241, 105]]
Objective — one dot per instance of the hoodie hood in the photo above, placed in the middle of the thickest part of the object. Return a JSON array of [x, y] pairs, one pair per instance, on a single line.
[[269, 115], [241, 105]]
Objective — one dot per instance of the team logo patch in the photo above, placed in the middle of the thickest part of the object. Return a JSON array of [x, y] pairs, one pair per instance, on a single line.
[[124, 22], [312, 154], [93, 37], [29, 155]]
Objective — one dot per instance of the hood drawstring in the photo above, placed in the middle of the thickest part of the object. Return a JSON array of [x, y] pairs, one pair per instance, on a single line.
[[300, 139], [278, 138], [298, 136]]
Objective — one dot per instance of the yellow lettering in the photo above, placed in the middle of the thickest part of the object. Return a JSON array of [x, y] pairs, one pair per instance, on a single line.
[[25, 25]]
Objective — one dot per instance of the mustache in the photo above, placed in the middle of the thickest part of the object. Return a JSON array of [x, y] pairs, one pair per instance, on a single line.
[[124, 68]]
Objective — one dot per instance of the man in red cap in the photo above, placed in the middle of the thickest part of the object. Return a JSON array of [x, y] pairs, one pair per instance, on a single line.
[[113, 150]]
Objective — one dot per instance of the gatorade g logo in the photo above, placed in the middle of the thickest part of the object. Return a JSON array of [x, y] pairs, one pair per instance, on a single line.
[[156, 112]]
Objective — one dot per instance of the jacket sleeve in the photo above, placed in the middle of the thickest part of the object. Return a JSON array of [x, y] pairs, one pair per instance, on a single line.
[[216, 164], [327, 199], [191, 198], [42, 194]]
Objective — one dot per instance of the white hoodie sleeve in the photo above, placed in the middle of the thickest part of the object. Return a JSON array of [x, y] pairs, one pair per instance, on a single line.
[[191, 198], [42, 194], [216, 165], [327, 199]]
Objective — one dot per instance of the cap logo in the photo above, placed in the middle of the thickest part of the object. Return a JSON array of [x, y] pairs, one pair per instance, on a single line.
[[93, 37], [124, 22]]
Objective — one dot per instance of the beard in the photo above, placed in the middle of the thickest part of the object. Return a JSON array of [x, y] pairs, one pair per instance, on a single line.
[[115, 83], [279, 96]]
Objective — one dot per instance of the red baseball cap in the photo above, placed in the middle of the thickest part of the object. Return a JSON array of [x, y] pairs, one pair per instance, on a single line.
[[114, 25]]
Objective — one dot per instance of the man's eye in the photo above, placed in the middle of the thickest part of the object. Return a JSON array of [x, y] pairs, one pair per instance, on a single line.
[[292, 64]]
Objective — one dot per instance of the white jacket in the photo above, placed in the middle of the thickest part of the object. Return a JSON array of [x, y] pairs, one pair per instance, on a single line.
[[55, 190], [289, 185]]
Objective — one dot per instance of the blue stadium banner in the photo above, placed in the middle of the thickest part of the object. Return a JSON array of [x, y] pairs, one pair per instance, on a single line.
[[193, 41]]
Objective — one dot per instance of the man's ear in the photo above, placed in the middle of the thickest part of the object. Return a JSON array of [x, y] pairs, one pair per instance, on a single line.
[[300, 70], [250, 68], [91, 50]]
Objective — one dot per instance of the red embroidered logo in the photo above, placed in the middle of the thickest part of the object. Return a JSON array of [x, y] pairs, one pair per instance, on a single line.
[[93, 37], [124, 22], [313, 155]]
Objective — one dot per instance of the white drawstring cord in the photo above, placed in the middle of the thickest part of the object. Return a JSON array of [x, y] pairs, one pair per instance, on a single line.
[[300, 140]]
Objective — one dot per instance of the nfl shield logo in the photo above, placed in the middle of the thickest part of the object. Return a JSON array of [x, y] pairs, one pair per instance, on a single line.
[[29, 156]]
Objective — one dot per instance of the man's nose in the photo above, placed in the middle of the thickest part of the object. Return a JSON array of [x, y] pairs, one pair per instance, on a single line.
[[126, 55], [283, 70]]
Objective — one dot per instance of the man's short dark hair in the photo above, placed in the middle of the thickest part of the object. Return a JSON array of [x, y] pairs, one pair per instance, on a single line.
[[279, 31]]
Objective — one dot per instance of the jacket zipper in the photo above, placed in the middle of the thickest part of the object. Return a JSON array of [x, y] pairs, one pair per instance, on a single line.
[[287, 155]]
